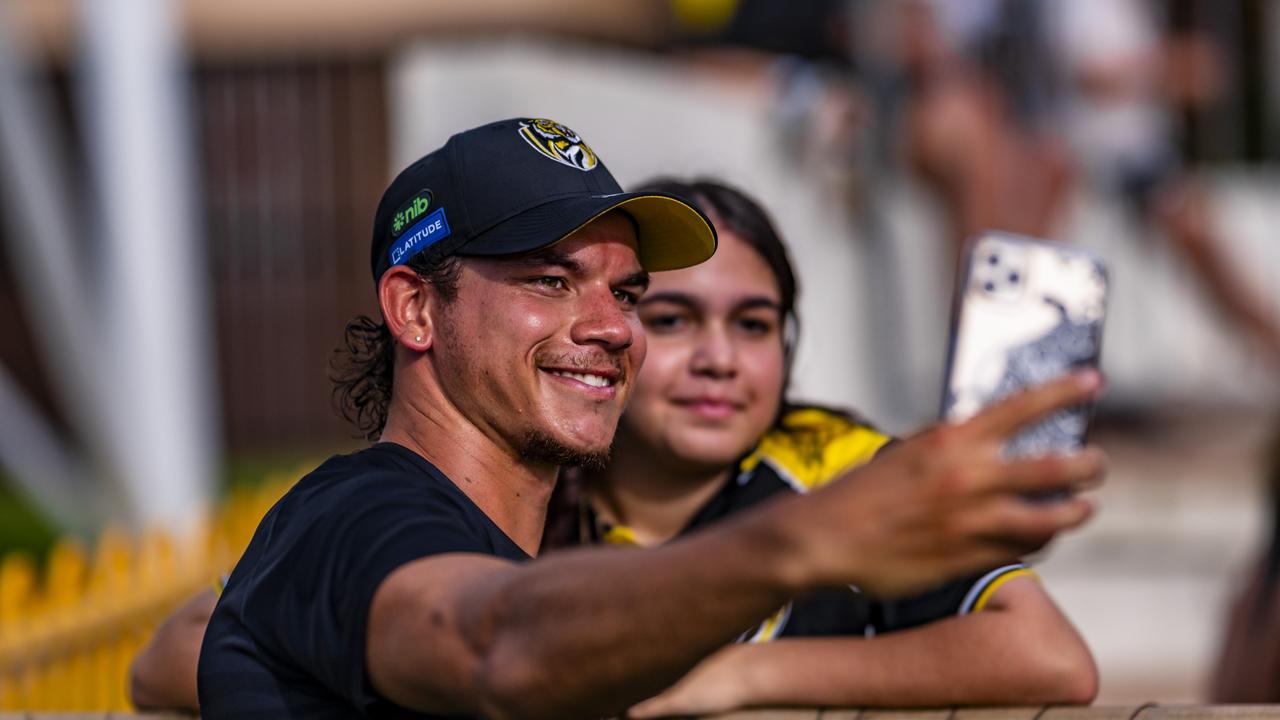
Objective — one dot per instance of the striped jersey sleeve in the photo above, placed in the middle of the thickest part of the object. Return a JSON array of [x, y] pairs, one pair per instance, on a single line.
[[959, 597]]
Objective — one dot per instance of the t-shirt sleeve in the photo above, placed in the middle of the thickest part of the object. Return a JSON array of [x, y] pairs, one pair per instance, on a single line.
[[312, 592], [958, 597]]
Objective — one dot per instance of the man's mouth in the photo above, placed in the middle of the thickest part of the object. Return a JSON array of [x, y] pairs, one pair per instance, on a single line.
[[586, 378]]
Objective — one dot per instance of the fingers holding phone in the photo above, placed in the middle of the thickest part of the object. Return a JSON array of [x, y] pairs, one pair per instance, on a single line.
[[1000, 476], [1026, 311], [950, 500]]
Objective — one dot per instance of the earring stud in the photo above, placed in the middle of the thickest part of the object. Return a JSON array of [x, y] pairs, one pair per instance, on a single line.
[[417, 338]]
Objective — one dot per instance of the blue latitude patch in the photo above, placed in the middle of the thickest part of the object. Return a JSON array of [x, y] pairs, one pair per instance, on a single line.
[[421, 235]]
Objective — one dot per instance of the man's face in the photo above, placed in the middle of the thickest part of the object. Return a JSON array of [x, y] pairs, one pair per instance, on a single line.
[[540, 351]]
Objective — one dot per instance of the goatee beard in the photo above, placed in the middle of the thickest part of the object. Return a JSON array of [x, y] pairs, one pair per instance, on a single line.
[[540, 447]]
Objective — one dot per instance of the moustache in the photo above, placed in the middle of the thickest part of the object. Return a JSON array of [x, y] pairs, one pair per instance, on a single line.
[[584, 363]]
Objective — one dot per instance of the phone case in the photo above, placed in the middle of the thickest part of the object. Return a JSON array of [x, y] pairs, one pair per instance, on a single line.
[[1026, 311]]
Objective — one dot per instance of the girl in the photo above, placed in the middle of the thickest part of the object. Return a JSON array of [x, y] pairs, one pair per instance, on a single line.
[[709, 431]]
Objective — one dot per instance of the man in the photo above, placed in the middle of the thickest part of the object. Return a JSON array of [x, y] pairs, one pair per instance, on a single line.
[[395, 580]]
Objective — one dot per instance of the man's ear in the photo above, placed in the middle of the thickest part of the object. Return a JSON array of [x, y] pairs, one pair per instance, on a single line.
[[406, 301]]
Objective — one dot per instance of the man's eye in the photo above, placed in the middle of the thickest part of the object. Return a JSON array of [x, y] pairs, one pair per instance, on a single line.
[[626, 297], [550, 281]]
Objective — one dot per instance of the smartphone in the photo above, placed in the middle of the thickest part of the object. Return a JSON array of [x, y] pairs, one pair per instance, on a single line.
[[1026, 311]]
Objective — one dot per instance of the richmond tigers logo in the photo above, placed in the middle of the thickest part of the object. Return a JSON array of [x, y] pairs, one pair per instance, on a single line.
[[559, 143]]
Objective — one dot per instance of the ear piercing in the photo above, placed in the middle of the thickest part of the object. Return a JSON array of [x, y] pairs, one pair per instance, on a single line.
[[417, 338]]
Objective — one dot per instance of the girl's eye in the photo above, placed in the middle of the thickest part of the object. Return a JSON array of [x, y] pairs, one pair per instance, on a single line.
[[665, 322], [756, 326]]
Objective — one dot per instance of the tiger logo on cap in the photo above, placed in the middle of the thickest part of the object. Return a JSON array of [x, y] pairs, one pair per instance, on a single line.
[[559, 143]]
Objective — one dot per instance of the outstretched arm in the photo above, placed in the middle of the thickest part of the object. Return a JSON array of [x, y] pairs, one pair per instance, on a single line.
[[1019, 650], [591, 632]]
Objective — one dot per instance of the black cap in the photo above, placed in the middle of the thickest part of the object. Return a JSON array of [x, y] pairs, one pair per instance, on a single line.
[[518, 185]]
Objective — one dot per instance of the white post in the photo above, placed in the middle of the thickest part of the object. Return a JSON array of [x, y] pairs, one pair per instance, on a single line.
[[42, 244], [159, 332]]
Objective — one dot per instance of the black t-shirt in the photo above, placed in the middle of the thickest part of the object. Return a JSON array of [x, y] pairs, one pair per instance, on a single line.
[[287, 638]]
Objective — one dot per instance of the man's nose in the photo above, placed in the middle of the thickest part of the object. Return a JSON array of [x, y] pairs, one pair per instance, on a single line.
[[715, 354], [602, 321]]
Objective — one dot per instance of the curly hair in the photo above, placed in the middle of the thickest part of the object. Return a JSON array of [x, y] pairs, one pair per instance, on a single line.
[[362, 368]]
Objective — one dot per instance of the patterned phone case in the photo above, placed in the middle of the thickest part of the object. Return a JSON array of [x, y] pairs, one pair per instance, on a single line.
[[1026, 312]]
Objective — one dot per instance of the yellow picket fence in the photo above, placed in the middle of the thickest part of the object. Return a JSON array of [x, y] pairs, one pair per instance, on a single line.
[[67, 635]]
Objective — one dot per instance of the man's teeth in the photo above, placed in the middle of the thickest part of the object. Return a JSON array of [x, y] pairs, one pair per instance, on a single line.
[[592, 380]]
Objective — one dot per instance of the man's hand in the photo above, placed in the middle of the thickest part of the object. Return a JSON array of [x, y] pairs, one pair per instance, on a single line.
[[947, 500]]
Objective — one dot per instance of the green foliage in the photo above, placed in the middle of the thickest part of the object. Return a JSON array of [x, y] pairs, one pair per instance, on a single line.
[[22, 524]]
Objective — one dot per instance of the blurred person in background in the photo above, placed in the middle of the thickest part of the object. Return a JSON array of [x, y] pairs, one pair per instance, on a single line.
[[1124, 74], [1248, 667], [1005, 108], [708, 434], [976, 137], [1010, 105]]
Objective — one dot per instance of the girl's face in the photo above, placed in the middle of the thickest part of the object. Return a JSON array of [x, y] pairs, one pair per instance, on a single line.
[[712, 380]]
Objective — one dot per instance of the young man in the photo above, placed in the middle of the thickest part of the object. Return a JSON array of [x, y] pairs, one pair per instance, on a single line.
[[395, 581]]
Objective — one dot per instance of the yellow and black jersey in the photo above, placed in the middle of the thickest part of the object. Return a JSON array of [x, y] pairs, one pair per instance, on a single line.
[[811, 447]]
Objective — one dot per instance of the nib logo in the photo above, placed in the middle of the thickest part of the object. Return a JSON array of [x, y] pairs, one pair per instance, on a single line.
[[410, 212]]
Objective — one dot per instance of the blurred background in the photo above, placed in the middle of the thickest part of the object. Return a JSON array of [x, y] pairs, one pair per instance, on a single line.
[[187, 194]]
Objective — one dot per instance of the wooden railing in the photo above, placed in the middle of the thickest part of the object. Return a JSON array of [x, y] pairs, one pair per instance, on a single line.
[[1149, 711]]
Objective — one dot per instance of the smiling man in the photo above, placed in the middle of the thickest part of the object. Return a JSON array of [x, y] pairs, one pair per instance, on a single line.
[[396, 582]]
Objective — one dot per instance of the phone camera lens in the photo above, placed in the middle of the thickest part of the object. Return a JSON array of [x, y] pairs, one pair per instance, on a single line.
[[989, 286], [993, 259], [1013, 277]]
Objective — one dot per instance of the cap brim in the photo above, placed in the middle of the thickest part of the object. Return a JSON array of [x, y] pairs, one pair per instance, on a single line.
[[672, 233]]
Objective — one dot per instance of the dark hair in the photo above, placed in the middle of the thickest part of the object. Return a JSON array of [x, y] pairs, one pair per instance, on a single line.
[[363, 367], [733, 210]]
